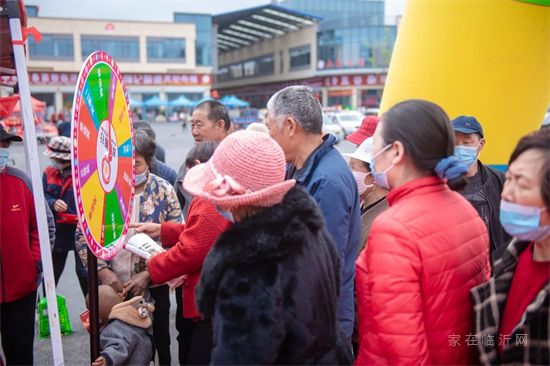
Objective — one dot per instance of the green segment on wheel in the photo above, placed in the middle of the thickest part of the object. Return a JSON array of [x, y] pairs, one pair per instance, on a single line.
[[99, 82], [537, 2], [114, 224]]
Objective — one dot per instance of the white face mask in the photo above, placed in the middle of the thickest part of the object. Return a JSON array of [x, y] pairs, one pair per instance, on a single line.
[[360, 180], [141, 178]]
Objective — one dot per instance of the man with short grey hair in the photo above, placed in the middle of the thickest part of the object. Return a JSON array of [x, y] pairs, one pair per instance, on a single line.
[[295, 121]]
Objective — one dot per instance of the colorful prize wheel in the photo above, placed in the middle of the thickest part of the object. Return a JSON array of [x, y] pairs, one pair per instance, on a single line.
[[103, 155]]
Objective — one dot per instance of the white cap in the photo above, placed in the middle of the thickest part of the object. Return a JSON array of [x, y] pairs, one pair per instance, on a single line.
[[363, 152], [258, 127]]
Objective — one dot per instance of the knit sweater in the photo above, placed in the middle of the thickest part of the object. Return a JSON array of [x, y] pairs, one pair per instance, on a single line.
[[367, 218], [190, 243]]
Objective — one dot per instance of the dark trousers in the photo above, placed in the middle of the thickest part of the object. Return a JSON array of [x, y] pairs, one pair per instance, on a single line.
[[198, 340], [17, 330], [179, 320], [161, 322], [59, 257]]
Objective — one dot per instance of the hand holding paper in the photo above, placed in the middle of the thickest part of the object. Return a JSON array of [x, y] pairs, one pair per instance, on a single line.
[[145, 247], [150, 228]]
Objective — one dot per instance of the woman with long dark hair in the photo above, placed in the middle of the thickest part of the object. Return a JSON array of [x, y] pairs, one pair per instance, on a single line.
[[425, 252]]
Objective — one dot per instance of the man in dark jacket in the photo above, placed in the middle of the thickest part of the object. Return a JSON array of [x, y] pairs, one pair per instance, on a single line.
[[484, 183], [295, 121]]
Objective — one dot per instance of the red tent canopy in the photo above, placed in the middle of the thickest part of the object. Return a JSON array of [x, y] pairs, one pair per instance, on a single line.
[[37, 105], [7, 104], [11, 104]]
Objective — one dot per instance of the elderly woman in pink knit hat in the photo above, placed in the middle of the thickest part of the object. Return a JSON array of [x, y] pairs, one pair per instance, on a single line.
[[270, 283]]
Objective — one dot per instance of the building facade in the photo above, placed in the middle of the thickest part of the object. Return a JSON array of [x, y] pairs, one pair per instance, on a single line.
[[343, 54], [156, 58]]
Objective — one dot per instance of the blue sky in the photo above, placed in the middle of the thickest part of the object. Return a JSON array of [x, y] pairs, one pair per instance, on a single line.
[[158, 10]]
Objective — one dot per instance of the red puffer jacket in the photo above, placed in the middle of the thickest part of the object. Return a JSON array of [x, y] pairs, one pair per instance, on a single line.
[[193, 241], [423, 256]]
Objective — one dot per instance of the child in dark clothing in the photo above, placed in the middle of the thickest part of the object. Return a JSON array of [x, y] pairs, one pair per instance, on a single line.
[[126, 334]]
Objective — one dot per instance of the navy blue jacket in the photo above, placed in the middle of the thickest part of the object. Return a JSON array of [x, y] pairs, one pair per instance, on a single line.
[[327, 177], [162, 170]]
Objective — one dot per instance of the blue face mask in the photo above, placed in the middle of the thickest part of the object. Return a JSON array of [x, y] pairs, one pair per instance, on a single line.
[[4, 157], [523, 222], [467, 155], [141, 178], [381, 178], [226, 214]]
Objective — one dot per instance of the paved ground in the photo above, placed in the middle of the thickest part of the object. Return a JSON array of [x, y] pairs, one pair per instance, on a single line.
[[177, 141]]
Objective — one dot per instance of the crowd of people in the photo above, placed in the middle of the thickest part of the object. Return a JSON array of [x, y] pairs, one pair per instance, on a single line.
[[409, 250]]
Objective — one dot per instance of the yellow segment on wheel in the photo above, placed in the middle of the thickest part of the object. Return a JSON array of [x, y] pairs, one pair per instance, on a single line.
[[120, 116], [93, 197]]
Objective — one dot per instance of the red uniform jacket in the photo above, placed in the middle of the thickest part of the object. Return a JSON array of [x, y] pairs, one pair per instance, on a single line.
[[193, 241], [19, 245]]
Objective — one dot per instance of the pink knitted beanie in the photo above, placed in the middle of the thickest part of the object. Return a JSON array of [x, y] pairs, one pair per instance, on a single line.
[[247, 169]]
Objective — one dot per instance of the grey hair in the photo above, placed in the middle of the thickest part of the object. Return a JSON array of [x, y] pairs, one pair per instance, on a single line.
[[298, 102]]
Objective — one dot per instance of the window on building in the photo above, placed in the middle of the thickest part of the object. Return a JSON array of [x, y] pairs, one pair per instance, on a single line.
[[236, 71], [259, 66], [165, 49], [203, 50], [121, 48], [266, 65], [53, 46], [31, 10], [249, 68], [222, 75], [203, 36], [300, 57], [355, 47]]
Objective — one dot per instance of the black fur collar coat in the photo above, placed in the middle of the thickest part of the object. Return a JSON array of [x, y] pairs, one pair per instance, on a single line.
[[270, 286]]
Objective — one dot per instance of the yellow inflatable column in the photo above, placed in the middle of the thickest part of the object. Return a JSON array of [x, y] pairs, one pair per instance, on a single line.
[[486, 58]]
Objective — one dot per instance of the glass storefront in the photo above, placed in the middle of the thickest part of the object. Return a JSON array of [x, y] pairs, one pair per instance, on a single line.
[[339, 98], [351, 33], [370, 98]]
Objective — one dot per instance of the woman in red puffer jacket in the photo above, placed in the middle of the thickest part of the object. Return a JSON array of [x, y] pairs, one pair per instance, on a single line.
[[425, 252]]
